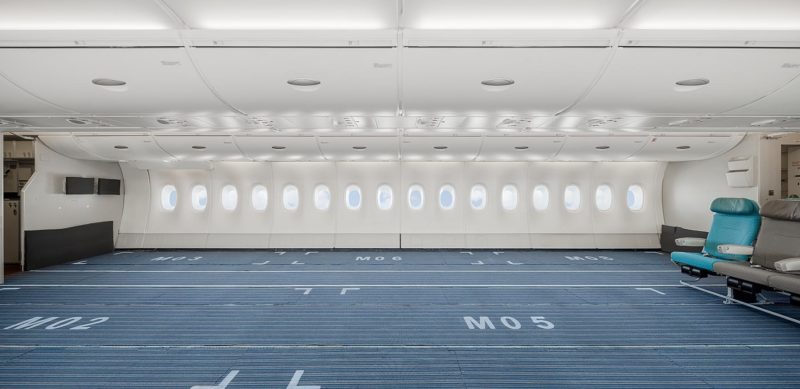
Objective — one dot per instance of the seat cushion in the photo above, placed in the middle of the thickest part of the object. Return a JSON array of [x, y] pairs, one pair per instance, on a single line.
[[732, 229], [743, 271], [697, 260], [786, 282]]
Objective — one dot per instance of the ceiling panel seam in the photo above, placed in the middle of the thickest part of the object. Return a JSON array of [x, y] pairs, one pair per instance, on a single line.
[[770, 93], [29, 93]]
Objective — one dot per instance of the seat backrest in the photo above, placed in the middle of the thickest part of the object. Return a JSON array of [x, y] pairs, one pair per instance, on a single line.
[[780, 233], [736, 221]]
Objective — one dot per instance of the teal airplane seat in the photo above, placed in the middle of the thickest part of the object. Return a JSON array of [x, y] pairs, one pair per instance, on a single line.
[[735, 225]]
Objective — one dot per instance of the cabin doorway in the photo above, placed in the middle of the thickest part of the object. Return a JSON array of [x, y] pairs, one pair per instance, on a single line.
[[790, 171]]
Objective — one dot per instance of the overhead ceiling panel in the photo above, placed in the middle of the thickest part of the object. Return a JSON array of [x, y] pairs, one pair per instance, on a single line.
[[16, 101], [785, 101], [354, 82], [283, 148], [200, 148], [123, 148], [685, 148], [440, 148], [287, 15], [350, 148], [158, 80], [83, 15], [642, 81], [67, 145], [601, 148], [717, 15], [513, 14], [520, 148], [448, 81]]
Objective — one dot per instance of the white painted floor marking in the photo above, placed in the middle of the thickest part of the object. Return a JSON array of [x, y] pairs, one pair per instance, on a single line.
[[652, 290], [79, 263], [280, 252], [513, 263], [497, 252], [122, 252], [298, 263], [395, 346], [344, 290], [295, 382], [655, 252], [307, 290], [311, 252], [478, 263], [246, 286], [728, 298], [2, 289], [466, 252], [222, 384], [261, 263]]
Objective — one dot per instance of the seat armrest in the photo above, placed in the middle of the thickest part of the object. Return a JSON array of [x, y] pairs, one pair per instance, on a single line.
[[735, 249], [788, 265], [690, 242]]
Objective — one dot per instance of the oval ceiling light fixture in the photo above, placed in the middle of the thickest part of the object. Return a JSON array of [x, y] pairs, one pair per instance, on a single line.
[[762, 123], [602, 147], [278, 147], [121, 147], [440, 147], [691, 84], [521, 147], [304, 84], [111, 84], [683, 147], [199, 147], [359, 147], [497, 84]]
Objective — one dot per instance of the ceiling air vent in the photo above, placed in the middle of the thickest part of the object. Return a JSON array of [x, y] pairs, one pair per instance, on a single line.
[[173, 122], [5, 123], [600, 122], [87, 122], [515, 124], [430, 122], [262, 123]]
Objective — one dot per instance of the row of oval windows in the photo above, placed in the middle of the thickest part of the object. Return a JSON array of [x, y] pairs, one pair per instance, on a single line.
[[509, 197]]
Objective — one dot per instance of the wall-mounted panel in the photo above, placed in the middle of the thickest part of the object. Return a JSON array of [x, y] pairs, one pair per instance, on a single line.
[[257, 80], [605, 148], [545, 80], [360, 148], [494, 226], [520, 148], [200, 148], [242, 225], [284, 148], [433, 226], [157, 80], [305, 226], [123, 148], [669, 148]]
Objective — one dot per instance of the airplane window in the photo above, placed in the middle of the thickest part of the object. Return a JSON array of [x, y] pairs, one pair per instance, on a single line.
[[322, 197], [541, 197], [635, 198], [572, 198], [230, 197], [169, 198], [602, 197], [509, 197], [259, 198], [447, 197], [291, 197], [199, 197], [477, 197], [353, 197], [416, 197], [385, 197]]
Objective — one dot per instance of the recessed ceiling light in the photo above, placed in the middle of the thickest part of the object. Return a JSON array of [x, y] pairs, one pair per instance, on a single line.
[[684, 147], [304, 84], [199, 147], [498, 82], [121, 147], [763, 122], [521, 147], [278, 147], [440, 147], [693, 82], [359, 147], [690, 84], [678, 122], [111, 84], [602, 147]]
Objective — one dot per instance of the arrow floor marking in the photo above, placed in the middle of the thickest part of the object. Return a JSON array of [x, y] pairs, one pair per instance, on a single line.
[[298, 263], [222, 384], [294, 383], [307, 290], [311, 252], [79, 263], [261, 263], [280, 252], [466, 252], [478, 263], [513, 263], [122, 252], [497, 252], [652, 290]]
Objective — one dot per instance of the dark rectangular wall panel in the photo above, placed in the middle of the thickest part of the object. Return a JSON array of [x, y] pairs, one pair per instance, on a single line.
[[52, 247], [107, 186], [670, 233], [79, 185]]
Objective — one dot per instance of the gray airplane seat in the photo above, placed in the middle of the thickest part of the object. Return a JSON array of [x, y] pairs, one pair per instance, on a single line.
[[775, 263]]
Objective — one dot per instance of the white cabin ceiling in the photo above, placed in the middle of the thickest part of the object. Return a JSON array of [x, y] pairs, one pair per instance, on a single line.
[[399, 70]]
